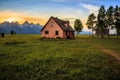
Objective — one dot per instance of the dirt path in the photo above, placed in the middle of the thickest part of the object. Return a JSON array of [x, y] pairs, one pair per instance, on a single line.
[[110, 52]]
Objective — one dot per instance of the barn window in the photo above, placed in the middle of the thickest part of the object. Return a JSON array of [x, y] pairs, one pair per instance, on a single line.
[[46, 32], [51, 24], [56, 33]]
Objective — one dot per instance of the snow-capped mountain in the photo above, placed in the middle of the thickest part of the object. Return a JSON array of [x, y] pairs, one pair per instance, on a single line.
[[25, 28]]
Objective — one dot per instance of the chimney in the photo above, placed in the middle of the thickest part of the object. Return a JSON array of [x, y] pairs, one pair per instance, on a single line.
[[66, 23]]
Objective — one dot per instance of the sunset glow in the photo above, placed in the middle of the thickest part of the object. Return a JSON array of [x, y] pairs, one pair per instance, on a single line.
[[12, 16], [11, 20]]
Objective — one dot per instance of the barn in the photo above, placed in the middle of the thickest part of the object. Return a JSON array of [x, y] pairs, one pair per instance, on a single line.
[[57, 28]]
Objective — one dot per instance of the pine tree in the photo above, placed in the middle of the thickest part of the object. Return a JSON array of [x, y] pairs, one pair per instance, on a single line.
[[117, 20], [109, 18], [90, 22], [101, 21]]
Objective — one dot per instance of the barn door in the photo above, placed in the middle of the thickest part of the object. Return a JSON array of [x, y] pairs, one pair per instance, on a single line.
[[68, 34]]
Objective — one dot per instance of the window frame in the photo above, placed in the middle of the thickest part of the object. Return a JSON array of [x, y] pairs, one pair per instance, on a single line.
[[51, 24], [46, 32], [56, 32]]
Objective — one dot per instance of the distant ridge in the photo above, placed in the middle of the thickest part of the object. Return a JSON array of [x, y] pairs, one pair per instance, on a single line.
[[25, 28], [85, 32]]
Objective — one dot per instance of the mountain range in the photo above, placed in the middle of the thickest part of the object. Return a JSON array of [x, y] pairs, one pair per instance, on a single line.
[[25, 28]]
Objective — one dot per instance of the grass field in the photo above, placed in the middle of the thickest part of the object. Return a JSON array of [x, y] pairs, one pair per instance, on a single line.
[[28, 57]]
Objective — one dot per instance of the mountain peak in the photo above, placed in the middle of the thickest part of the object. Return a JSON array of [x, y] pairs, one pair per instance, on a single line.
[[26, 22], [25, 28]]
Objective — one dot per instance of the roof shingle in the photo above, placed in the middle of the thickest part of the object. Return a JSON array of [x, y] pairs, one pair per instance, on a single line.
[[63, 24]]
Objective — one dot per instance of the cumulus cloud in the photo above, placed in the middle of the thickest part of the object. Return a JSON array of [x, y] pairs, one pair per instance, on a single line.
[[91, 8]]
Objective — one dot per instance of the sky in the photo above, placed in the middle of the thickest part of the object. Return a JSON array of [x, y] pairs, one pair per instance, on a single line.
[[39, 11]]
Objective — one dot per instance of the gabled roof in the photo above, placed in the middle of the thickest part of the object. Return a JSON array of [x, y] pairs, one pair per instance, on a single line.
[[61, 23]]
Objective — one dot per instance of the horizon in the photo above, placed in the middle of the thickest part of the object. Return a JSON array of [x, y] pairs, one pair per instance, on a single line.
[[39, 11], [20, 23]]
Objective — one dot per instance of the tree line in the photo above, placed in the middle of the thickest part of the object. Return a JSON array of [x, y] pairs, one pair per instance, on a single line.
[[102, 23]]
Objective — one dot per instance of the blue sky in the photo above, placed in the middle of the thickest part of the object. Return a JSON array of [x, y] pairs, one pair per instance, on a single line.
[[41, 10]]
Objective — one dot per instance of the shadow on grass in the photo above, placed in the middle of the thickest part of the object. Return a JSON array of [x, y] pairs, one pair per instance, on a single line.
[[14, 43]]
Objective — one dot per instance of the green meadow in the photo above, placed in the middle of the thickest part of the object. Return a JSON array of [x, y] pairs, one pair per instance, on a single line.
[[29, 57]]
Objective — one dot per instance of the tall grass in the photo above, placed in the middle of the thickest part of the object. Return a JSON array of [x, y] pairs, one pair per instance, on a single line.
[[26, 57]]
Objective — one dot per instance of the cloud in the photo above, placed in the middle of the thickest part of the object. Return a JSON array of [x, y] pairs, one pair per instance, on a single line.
[[20, 17], [68, 12], [34, 19], [69, 18], [91, 8]]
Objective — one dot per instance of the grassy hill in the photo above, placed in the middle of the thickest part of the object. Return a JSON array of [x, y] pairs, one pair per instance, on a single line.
[[28, 57]]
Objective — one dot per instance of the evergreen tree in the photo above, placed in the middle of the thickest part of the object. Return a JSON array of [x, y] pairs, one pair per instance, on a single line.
[[109, 18], [117, 20], [78, 26], [90, 22], [101, 21]]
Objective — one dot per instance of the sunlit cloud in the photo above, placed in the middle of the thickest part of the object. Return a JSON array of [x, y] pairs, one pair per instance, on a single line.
[[12, 16], [91, 8], [12, 19], [35, 20]]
